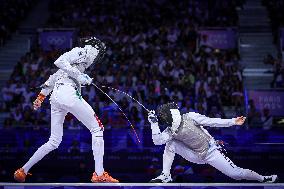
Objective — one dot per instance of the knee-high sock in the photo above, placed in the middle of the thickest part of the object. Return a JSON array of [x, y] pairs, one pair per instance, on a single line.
[[40, 153], [251, 175], [98, 151], [168, 158]]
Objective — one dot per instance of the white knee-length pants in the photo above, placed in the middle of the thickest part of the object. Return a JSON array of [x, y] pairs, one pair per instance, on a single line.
[[64, 99], [214, 158]]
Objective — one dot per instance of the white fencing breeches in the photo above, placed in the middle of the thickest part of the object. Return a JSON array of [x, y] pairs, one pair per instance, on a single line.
[[214, 158], [63, 100]]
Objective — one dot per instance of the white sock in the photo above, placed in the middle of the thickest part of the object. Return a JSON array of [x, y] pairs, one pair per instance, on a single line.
[[168, 158], [38, 155], [98, 152], [99, 168], [251, 175]]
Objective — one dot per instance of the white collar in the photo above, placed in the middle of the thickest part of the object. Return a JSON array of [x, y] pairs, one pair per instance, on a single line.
[[176, 119], [91, 54]]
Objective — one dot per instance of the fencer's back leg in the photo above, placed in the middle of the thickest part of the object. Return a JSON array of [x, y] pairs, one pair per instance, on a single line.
[[57, 119]]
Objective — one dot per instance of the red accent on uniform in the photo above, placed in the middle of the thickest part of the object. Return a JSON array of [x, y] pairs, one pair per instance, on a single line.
[[99, 121]]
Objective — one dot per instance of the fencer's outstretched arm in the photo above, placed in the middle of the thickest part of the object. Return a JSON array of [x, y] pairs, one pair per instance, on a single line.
[[158, 137], [215, 122]]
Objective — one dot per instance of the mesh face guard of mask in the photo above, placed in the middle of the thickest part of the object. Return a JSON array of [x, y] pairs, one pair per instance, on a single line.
[[169, 115], [94, 44]]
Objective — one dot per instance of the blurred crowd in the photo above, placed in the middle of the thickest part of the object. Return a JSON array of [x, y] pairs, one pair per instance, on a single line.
[[137, 16], [278, 70], [152, 54], [11, 13], [259, 118]]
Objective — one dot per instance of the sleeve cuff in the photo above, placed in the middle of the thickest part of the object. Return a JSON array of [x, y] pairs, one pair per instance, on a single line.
[[233, 121], [155, 129], [45, 91]]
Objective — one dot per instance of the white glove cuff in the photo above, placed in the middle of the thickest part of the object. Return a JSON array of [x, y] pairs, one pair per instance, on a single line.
[[233, 121], [155, 128]]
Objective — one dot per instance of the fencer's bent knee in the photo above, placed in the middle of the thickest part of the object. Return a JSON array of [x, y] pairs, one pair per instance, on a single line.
[[96, 129], [170, 146], [53, 143]]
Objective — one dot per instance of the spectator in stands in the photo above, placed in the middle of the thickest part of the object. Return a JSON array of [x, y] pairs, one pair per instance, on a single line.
[[17, 115], [187, 107], [237, 95], [7, 95]]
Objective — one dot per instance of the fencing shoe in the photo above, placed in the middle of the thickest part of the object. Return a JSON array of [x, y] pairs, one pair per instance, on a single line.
[[105, 177], [270, 179], [20, 175], [163, 178]]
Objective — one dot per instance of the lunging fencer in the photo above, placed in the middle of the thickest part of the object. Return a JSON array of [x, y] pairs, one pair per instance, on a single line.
[[185, 135], [65, 86]]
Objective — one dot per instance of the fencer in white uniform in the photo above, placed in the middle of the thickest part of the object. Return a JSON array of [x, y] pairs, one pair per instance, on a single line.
[[186, 136], [65, 86]]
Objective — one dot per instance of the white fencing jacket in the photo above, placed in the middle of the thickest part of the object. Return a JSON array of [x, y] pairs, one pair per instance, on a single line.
[[70, 64], [191, 132]]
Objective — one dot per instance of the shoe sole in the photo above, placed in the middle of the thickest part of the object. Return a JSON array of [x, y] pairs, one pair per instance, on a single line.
[[19, 180], [159, 181], [102, 182]]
